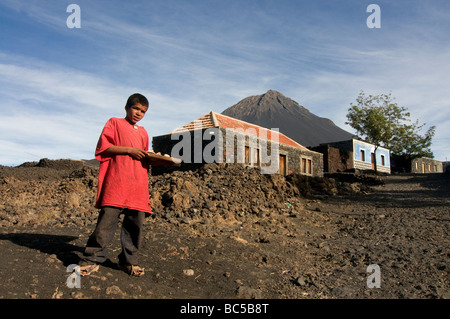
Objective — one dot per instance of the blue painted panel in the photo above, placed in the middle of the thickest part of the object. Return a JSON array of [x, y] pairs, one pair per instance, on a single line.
[[368, 150]]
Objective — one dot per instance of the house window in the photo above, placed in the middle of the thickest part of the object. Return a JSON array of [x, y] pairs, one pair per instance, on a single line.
[[283, 162], [247, 155], [256, 156], [251, 156], [363, 155], [383, 163], [306, 165]]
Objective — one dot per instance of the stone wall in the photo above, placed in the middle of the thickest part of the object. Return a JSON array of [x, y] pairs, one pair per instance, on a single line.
[[425, 165], [210, 145], [335, 159]]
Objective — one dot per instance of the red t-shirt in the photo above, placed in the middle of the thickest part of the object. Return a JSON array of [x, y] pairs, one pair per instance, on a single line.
[[122, 180]]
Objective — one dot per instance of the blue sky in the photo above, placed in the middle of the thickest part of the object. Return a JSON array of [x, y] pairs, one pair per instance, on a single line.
[[58, 86]]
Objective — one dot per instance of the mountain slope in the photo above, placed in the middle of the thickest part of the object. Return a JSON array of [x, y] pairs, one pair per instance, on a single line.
[[274, 110]]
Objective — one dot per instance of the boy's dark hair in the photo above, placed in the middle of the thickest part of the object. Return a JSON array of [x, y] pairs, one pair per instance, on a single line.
[[136, 98]]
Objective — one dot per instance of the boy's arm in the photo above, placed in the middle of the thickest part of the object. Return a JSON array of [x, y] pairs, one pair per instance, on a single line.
[[134, 152]]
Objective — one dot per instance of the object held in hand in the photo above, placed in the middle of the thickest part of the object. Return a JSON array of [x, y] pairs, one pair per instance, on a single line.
[[163, 159]]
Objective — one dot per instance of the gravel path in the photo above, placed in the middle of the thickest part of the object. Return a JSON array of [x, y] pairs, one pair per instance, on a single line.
[[390, 243]]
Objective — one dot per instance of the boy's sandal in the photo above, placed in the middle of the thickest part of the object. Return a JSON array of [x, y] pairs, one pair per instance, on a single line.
[[86, 270], [132, 270]]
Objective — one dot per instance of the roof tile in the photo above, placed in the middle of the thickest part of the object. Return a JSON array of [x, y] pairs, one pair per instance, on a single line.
[[208, 121]]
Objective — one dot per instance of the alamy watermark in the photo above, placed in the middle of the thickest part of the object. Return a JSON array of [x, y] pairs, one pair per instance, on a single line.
[[373, 20], [74, 279], [374, 279], [74, 19], [229, 146]]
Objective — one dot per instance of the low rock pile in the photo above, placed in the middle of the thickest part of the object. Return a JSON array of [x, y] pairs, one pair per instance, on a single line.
[[63, 192], [226, 231], [233, 193]]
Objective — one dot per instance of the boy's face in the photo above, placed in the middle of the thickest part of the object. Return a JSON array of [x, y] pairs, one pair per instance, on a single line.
[[135, 113]]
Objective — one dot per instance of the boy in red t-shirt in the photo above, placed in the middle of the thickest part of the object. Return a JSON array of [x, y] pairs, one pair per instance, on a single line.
[[122, 188]]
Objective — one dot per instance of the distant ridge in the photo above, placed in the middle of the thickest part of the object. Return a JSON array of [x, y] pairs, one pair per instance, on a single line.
[[274, 110]]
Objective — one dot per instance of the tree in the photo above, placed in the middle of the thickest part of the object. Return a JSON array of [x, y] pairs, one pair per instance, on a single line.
[[380, 121]]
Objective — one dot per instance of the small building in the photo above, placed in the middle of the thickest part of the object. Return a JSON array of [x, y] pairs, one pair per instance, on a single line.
[[425, 165], [446, 167], [354, 154], [218, 138]]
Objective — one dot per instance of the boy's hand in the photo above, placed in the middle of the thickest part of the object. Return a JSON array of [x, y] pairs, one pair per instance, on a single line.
[[137, 153]]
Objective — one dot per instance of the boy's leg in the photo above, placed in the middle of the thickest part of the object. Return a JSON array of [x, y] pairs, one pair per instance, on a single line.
[[132, 225], [96, 248]]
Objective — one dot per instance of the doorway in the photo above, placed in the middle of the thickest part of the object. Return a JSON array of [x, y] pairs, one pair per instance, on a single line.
[[282, 169]]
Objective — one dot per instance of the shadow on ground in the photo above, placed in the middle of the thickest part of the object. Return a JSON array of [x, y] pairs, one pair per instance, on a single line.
[[58, 245]]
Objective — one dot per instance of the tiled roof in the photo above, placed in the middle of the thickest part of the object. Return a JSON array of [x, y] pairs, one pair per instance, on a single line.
[[213, 119], [206, 122]]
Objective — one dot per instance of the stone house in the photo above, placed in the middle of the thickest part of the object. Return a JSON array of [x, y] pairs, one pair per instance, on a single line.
[[218, 138], [354, 154], [424, 165], [446, 167]]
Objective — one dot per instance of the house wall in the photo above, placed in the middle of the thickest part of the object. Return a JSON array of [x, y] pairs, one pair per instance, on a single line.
[[336, 159], [344, 155], [446, 167], [162, 144], [294, 156], [201, 143], [363, 157], [426, 165], [191, 146]]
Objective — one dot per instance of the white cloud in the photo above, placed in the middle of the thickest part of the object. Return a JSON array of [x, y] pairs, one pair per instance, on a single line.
[[189, 67], [53, 111], [417, 76]]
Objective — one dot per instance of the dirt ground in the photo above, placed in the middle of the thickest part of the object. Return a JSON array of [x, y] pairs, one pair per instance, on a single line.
[[314, 246]]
